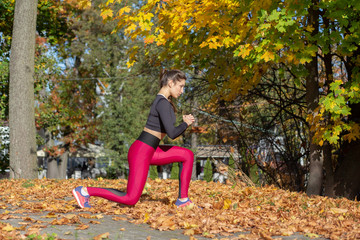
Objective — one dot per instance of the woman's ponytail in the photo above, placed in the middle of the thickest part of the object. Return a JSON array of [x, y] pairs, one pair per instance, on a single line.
[[163, 79]]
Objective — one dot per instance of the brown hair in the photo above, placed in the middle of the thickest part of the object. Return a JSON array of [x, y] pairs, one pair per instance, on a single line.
[[174, 75]]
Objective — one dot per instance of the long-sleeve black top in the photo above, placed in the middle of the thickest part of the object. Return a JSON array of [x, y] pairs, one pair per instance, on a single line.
[[162, 118]]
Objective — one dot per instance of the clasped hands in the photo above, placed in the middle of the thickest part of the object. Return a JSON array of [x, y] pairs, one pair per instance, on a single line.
[[189, 119]]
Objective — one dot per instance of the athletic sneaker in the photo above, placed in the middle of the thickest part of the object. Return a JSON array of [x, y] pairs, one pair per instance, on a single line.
[[81, 199], [179, 203]]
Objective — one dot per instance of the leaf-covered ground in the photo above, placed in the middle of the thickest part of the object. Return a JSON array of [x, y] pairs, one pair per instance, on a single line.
[[223, 209]]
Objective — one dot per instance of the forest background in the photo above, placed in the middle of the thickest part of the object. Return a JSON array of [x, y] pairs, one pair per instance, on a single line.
[[285, 74]]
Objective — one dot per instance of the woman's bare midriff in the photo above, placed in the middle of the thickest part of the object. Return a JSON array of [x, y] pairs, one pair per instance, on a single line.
[[159, 135]]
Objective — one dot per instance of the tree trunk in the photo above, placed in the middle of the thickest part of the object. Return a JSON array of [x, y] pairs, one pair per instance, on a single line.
[[23, 159], [314, 186], [327, 148], [63, 164], [347, 177], [57, 167], [52, 168], [329, 170], [194, 145], [312, 100]]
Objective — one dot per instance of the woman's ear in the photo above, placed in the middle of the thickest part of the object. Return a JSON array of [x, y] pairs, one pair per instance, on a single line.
[[171, 83]]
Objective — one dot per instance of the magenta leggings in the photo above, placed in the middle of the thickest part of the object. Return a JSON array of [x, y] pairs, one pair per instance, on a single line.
[[140, 157]]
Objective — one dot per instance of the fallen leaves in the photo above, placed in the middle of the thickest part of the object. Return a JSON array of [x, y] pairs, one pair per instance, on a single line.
[[225, 209], [164, 223], [66, 220]]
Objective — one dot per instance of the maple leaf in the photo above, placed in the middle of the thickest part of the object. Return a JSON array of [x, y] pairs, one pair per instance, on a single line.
[[268, 56], [130, 63], [33, 231], [227, 204], [102, 236], [51, 215], [338, 210], [149, 39], [189, 232], [311, 235], [130, 28], [119, 219], [83, 4], [99, 216], [82, 227], [123, 10], [8, 228], [107, 13], [146, 217]]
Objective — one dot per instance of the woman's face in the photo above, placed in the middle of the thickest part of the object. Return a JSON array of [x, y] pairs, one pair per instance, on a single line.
[[177, 88]]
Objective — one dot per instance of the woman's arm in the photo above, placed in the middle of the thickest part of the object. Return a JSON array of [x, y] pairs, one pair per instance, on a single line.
[[167, 117]]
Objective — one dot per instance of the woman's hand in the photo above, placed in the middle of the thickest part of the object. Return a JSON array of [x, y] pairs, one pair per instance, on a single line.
[[189, 119]]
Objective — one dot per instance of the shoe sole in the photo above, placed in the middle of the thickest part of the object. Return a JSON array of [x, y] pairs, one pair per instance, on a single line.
[[184, 204], [77, 198]]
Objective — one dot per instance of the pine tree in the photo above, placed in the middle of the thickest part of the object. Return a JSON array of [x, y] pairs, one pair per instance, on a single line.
[[153, 172], [231, 162], [174, 171], [208, 171]]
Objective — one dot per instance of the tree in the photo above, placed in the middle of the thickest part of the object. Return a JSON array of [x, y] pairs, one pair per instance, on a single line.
[[237, 43], [153, 172], [23, 159], [7, 16], [208, 171], [129, 94], [4, 91], [312, 101], [51, 29], [69, 113], [174, 171]]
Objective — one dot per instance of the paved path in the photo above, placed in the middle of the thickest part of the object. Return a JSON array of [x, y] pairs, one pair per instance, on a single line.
[[114, 230]]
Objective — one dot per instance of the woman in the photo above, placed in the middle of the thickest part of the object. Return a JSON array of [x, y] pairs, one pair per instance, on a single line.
[[145, 151]]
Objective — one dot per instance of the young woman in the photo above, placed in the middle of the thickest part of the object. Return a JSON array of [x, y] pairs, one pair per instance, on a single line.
[[145, 151]]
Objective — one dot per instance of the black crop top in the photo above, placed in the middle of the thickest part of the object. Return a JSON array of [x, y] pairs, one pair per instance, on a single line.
[[162, 118]]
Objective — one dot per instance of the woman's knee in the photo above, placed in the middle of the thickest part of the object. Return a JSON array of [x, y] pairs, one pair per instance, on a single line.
[[188, 155], [132, 200]]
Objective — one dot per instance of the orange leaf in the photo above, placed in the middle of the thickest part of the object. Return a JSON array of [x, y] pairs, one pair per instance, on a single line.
[[338, 210], [189, 232], [94, 222], [8, 228], [82, 227], [102, 236], [227, 204], [107, 13]]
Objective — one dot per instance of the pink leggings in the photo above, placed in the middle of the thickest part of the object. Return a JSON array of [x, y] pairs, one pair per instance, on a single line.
[[140, 157]]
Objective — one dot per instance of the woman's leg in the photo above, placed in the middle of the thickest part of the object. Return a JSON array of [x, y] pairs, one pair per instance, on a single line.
[[170, 154], [139, 157]]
